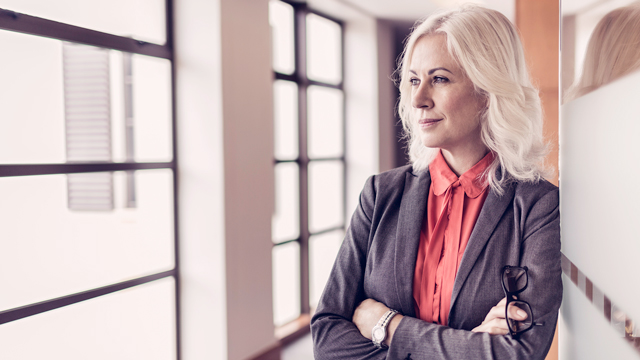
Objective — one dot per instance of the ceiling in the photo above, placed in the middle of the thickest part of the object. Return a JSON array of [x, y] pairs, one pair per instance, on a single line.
[[411, 10], [570, 7]]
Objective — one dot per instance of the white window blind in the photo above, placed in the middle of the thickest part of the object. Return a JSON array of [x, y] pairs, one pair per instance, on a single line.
[[87, 124]]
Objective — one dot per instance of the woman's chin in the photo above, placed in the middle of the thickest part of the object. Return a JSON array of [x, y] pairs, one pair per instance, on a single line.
[[431, 147], [430, 142]]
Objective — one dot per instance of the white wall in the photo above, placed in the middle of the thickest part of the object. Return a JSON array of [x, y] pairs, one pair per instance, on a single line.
[[201, 180], [599, 168], [247, 81], [224, 82]]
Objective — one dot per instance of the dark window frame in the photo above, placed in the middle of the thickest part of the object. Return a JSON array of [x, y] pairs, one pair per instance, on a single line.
[[299, 77], [27, 24]]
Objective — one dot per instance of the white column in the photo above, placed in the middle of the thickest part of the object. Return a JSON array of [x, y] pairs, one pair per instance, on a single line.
[[599, 168]]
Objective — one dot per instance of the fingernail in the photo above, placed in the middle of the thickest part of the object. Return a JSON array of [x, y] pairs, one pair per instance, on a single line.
[[521, 313]]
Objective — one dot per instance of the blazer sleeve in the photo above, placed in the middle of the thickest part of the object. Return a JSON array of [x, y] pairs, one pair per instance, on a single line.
[[334, 334], [540, 252]]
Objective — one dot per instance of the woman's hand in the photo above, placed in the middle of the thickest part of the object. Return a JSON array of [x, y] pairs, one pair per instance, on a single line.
[[367, 315], [494, 323]]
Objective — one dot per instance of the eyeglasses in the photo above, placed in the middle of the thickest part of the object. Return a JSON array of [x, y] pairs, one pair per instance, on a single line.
[[514, 280]]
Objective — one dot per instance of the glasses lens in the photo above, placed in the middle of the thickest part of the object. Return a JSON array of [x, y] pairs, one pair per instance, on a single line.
[[514, 278], [516, 326]]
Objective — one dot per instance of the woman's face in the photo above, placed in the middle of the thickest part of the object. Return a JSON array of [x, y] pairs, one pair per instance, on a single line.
[[444, 101]]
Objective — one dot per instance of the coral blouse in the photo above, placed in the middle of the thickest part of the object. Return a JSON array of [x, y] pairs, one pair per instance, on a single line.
[[453, 207]]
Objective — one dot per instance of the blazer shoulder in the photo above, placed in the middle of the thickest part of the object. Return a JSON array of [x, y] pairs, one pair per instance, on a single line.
[[386, 185], [532, 192], [394, 176], [541, 186]]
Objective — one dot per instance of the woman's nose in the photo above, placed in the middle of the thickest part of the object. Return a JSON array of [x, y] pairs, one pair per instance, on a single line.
[[421, 98]]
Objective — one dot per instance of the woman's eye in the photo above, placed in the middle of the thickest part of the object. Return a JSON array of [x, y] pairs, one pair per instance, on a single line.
[[440, 79], [414, 81]]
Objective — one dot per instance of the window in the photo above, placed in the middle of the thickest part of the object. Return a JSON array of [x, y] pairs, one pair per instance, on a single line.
[[88, 257], [309, 219]]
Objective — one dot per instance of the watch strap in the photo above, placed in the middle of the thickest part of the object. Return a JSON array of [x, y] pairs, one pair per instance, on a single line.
[[382, 326]]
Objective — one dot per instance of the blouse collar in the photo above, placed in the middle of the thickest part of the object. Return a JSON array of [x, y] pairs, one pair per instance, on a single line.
[[471, 181]]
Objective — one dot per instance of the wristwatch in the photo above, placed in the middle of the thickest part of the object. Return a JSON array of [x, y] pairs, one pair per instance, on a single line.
[[379, 332]]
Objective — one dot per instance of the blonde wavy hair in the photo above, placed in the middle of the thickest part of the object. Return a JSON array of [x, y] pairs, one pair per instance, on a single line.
[[487, 47], [613, 51]]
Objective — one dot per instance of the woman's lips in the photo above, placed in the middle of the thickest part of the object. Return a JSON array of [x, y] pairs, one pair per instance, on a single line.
[[425, 123]]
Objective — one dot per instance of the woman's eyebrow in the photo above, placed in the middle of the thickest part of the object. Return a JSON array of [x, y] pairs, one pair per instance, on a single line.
[[439, 68], [432, 71]]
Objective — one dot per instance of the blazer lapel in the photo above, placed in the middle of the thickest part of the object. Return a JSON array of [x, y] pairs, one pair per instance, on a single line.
[[489, 217], [410, 219]]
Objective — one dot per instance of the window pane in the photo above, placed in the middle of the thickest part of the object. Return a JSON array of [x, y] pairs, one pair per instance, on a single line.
[[140, 19], [50, 251], [285, 94], [32, 128], [326, 195], [326, 124], [44, 111], [286, 220], [322, 253], [132, 324], [281, 20], [324, 49], [286, 283], [152, 108]]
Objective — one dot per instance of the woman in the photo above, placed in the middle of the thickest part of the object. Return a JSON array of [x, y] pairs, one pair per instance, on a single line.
[[613, 51], [431, 240]]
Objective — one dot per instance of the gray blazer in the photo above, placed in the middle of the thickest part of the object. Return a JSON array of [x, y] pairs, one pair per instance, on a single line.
[[377, 260]]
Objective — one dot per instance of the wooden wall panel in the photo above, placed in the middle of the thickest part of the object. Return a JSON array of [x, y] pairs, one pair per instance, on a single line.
[[539, 25]]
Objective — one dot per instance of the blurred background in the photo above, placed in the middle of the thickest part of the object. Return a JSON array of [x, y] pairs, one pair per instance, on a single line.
[[177, 176], [598, 130]]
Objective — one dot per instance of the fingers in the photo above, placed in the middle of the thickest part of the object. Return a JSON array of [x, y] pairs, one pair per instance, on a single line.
[[495, 323], [498, 312], [493, 327], [516, 313]]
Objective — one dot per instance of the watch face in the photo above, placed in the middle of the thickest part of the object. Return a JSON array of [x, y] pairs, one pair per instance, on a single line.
[[378, 333]]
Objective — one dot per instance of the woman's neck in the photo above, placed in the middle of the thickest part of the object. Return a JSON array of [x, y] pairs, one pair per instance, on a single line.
[[461, 161]]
